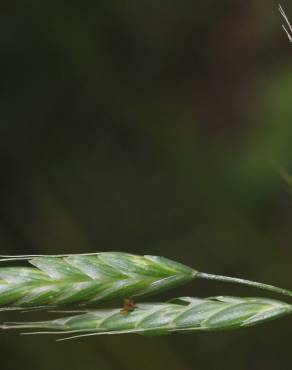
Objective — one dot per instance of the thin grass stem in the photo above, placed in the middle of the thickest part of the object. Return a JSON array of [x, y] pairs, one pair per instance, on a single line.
[[255, 284]]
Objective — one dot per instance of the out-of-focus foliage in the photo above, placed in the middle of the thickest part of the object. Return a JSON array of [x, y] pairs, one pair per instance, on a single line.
[[154, 128]]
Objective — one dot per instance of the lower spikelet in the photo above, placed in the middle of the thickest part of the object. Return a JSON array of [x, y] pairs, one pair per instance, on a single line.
[[184, 315]]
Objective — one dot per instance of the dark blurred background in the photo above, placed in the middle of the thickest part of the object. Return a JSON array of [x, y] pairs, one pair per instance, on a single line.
[[152, 127]]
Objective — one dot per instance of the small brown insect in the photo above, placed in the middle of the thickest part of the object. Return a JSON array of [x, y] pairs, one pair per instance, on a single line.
[[129, 306]]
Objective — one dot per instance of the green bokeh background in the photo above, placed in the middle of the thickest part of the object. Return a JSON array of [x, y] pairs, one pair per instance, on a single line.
[[152, 127]]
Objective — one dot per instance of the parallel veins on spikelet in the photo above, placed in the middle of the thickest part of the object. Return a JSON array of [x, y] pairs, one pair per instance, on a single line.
[[184, 315], [88, 279]]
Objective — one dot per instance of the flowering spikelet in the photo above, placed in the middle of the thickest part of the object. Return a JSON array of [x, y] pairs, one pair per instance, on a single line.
[[184, 315], [87, 279]]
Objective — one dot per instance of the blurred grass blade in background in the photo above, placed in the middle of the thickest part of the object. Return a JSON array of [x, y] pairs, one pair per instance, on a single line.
[[184, 315], [87, 279], [289, 30]]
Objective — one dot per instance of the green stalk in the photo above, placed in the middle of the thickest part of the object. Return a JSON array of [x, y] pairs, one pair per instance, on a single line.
[[255, 284]]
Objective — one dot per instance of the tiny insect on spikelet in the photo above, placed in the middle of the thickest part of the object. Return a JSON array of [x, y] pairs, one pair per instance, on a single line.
[[129, 306], [182, 315], [57, 281]]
